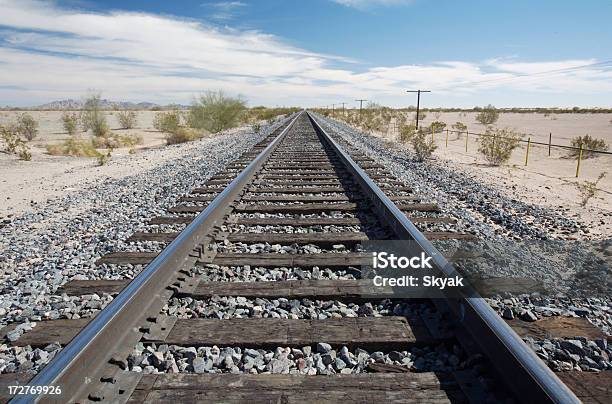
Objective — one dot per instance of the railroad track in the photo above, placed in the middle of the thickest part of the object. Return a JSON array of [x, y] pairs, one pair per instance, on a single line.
[[293, 211]]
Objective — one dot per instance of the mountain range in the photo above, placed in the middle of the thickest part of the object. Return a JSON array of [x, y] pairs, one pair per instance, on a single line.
[[104, 103]]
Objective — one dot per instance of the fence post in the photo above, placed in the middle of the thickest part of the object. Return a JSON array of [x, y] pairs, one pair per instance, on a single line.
[[467, 134], [549, 142], [447, 138], [579, 160], [432, 130], [527, 154]]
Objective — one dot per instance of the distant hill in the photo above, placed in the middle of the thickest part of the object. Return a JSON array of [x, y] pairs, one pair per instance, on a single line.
[[106, 104]]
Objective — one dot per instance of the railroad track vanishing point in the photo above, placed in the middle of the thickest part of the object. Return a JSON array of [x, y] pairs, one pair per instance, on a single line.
[[293, 211]]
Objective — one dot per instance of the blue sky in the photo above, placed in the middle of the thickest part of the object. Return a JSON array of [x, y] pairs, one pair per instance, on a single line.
[[309, 53]]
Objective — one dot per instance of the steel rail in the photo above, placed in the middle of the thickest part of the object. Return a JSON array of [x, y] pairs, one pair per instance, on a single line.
[[77, 366], [523, 372]]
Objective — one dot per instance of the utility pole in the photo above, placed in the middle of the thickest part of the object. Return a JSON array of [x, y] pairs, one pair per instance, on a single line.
[[360, 105], [333, 109], [418, 103], [343, 107]]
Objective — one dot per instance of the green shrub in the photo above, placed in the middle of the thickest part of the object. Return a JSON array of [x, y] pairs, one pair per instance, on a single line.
[[406, 132], [256, 127], [588, 143], [214, 111], [127, 119], [27, 126], [488, 115], [168, 122], [498, 144], [92, 116], [423, 145], [14, 143], [70, 121]]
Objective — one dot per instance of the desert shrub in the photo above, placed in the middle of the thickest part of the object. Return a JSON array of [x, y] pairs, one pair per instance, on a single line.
[[588, 190], [437, 126], [497, 145], [92, 116], [261, 113], [14, 143], [114, 141], [214, 111], [406, 132], [130, 140], [588, 143], [127, 119], [104, 158], [488, 115], [459, 127], [256, 127], [423, 145], [27, 126], [167, 122], [73, 146], [422, 115], [70, 121], [181, 135]]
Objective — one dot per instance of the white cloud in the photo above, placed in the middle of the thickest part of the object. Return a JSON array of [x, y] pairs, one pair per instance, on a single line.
[[49, 52]]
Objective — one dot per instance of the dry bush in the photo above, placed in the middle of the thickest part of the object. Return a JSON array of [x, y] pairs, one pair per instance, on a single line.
[[422, 115], [14, 143], [256, 127], [423, 145], [459, 127], [115, 141], [92, 116], [27, 126], [497, 145], [182, 135], [73, 146], [261, 113], [127, 119], [588, 143], [488, 115], [588, 190], [437, 127], [214, 111], [104, 158], [70, 121]]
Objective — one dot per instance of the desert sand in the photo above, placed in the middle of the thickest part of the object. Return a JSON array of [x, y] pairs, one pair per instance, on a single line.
[[25, 184], [548, 181]]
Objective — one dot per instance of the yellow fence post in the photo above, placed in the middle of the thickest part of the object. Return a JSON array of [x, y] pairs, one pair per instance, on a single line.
[[467, 134], [527, 154], [447, 138], [579, 160]]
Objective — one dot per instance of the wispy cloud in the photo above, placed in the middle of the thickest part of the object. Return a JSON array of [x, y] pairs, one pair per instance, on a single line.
[[49, 52], [368, 4], [224, 10]]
